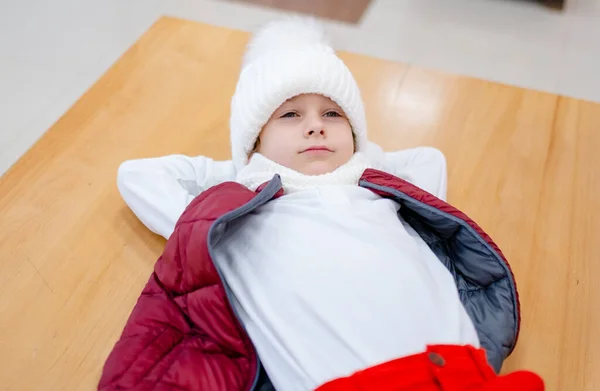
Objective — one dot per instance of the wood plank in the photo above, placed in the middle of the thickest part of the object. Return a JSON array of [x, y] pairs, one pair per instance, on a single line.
[[73, 258]]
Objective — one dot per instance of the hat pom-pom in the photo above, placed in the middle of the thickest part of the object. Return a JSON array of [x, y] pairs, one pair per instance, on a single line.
[[289, 33]]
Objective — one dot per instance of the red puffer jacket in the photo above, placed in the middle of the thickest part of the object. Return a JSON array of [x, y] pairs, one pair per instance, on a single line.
[[184, 335]]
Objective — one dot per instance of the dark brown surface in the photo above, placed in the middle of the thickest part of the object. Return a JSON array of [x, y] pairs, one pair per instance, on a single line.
[[349, 11], [555, 4]]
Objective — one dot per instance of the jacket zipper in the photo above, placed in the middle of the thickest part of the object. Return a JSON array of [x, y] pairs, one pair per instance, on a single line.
[[266, 194], [229, 295]]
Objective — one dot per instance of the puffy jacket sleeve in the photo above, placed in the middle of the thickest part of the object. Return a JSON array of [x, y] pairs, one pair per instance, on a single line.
[[158, 190], [180, 334], [156, 330]]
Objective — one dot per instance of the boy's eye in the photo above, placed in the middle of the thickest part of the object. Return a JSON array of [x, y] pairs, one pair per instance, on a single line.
[[289, 115], [332, 114]]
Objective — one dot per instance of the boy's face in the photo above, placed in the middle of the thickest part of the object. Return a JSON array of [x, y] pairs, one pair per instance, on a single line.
[[309, 134]]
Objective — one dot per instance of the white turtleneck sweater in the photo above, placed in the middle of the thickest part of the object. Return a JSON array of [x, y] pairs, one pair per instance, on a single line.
[[328, 280]]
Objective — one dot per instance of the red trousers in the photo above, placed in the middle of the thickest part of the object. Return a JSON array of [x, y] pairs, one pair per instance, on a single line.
[[440, 368]]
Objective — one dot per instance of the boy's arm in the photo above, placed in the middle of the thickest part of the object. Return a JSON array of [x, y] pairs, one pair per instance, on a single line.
[[424, 167], [158, 190]]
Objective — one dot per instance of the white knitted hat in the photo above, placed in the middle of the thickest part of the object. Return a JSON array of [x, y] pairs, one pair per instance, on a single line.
[[284, 59]]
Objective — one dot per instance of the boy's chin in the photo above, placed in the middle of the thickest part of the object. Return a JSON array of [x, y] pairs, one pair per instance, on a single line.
[[318, 168]]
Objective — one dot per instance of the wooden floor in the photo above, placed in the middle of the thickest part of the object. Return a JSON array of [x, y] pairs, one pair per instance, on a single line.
[[73, 258]]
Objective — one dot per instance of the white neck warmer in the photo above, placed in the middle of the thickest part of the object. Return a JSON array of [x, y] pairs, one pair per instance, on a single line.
[[261, 169]]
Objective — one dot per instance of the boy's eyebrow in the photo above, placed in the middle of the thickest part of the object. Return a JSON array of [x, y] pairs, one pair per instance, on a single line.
[[281, 109], [285, 106]]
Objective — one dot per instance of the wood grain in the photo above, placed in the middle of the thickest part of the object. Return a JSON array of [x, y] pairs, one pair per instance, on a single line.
[[73, 258]]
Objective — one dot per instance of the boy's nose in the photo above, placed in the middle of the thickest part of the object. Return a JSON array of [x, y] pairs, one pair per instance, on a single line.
[[316, 131], [315, 127]]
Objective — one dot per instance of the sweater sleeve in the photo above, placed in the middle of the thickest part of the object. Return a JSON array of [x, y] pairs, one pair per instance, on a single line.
[[158, 190]]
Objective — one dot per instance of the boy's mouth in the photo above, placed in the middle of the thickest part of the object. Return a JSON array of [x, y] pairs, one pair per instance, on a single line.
[[317, 148]]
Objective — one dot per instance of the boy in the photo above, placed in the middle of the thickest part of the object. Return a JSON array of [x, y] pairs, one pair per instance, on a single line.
[[313, 265]]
